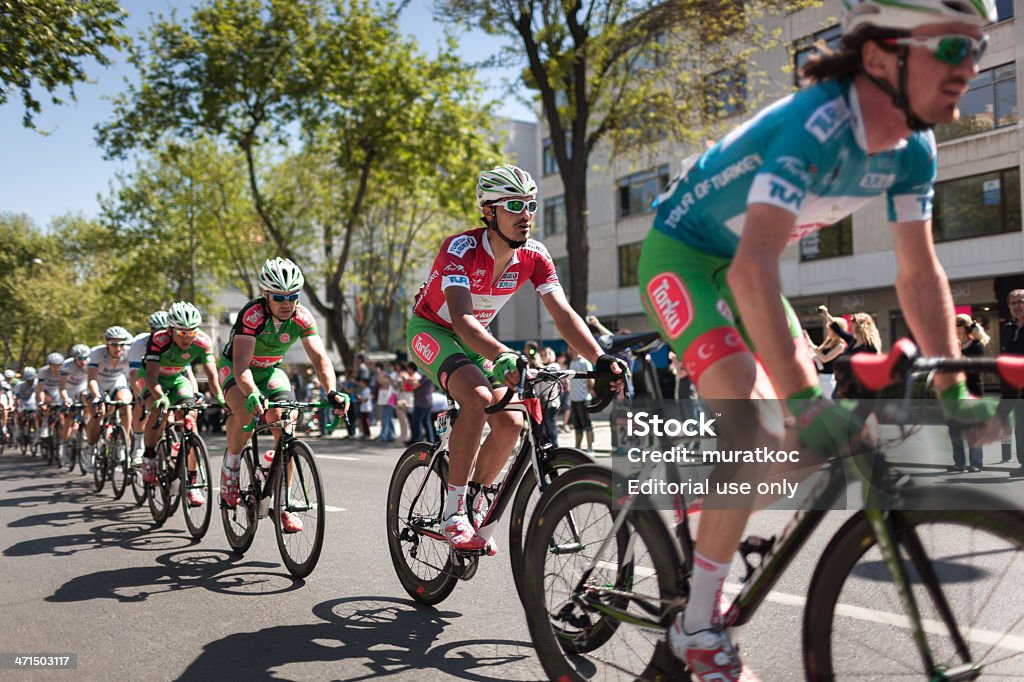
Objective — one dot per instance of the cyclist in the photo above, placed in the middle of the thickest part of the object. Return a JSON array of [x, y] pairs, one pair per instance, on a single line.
[[6, 403], [74, 385], [709, 268], [171, 351], [48, 390], [108, 378], [266, 327], [474, 274], [136, 358], [25, 402]]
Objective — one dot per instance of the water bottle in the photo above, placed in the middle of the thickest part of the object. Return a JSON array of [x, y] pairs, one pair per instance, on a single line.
[[175, 483], [268, 459]]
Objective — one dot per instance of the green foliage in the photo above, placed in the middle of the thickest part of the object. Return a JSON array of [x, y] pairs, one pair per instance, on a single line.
[[46, 41], [334, 112]]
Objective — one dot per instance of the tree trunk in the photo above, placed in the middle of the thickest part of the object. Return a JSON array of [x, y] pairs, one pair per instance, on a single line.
[[577, 240]]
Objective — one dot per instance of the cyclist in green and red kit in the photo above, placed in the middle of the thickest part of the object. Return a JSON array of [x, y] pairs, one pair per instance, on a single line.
[[169, 355], [266, 327]]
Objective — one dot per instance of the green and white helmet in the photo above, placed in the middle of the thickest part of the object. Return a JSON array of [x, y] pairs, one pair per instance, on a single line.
[[504, 181], [158, 320], [906, 15], [281, 275], [184, 315]]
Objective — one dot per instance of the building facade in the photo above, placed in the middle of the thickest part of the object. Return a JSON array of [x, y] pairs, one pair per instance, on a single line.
[[849, 266]]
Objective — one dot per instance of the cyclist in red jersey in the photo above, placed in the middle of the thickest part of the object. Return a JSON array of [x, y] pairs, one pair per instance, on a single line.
[[474, 274]]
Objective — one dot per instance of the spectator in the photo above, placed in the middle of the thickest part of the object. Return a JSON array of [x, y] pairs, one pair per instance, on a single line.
[[365, 408], [579, 397], [422, 425], [407, 381], [352, 389], [826, 353], [387, 398], [1013, 344], [973, 340], [550, 393], [565, 415], [864, 339]]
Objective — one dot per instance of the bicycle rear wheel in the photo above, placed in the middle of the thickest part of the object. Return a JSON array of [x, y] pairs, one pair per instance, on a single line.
[[964, 568], [197, 518], [159, 493], [639, 577], [139, 490], [423, 564], [555, 463], [299, 491], [117, 452], [240, 523]]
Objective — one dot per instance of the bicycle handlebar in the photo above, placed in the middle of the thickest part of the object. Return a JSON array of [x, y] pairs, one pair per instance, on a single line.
[[875, 372], [536, 375], [289, 405]]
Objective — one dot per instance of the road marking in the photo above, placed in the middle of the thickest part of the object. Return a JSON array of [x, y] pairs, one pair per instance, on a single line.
[[340, 458], [327, 507], [935, 627]]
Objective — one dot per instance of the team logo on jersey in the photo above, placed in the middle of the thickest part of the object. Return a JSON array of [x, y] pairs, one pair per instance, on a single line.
[[460, 245], [285, 338], [480, 272], [224, 372], [426, 347], [186, 355], [510, 280], [253, 318], [443, 378], [671, 303], [795, 167], [276, 381], [827, 119], [454, 280], [724, 310], [534, 245], [877, 181], [454, 267]]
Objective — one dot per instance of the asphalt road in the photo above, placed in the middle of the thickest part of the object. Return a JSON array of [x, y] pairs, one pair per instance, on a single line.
[[83, 574]]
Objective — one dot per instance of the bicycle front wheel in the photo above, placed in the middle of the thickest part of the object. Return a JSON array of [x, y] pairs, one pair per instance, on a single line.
[[160, 493], [99, 466], [612, 626], [196, 486], [299, 491], [240, 522], [422, 562], [963, 567], [554, 463], [117, 452]]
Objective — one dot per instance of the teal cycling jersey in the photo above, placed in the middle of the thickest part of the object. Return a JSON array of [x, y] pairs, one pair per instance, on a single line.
[[807, 154]]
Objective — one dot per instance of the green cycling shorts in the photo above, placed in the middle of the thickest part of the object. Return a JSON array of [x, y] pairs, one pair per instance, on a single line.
[[438, 352], [272, 381]]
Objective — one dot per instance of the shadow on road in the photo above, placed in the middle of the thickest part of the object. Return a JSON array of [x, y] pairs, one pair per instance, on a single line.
[[391, 635], [211, 570]]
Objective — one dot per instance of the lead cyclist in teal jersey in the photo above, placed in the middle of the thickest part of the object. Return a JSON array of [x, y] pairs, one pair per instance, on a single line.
[[709, 270]]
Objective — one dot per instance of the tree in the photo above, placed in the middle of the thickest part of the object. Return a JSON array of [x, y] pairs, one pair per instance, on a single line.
[[360, 94], [628, 73], [46, 41]]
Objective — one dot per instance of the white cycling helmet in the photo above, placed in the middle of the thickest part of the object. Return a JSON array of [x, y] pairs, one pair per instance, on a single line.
[[906, 15], [184, 315], [114, 333], [54, 359], [504, 181], [281, 275], [28, 374], [80, 351], [158, 320], [10, 374]]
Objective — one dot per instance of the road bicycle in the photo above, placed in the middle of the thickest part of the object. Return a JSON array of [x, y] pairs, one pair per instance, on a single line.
[[76, 439], [182, 465], [919, 583], [427, 566], [291, 483], [49, 444], [27, 439], [111, 458]]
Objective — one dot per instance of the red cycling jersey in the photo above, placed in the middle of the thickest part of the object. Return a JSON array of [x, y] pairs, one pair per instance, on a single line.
[[466, 260]]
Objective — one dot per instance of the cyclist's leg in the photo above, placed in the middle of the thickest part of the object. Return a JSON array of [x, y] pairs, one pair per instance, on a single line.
[[237, 438]]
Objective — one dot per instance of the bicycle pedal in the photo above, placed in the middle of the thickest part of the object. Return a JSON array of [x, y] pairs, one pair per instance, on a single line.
[[754, 545], [465, 566]]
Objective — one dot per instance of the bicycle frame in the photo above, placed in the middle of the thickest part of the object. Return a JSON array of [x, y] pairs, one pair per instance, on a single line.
[[264, 488]]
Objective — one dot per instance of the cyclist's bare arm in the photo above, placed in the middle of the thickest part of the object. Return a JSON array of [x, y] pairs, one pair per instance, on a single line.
[[94, 386], [570, 325], [192, 379], [321, 362], [242, 348], [468, 328], [756, 284], [923, 291], [152, 378], [211, 376]]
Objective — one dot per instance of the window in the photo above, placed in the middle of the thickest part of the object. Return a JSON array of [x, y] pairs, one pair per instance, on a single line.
[[977, 206], [637, 192], [562, 270], [806, 47], [725, 93], [829, 242], [629, 257], [554, 216], [548, 154], [1004, 9], [991, 102]]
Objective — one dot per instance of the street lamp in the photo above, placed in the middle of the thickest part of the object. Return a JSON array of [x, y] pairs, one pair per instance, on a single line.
[[32, 264]]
